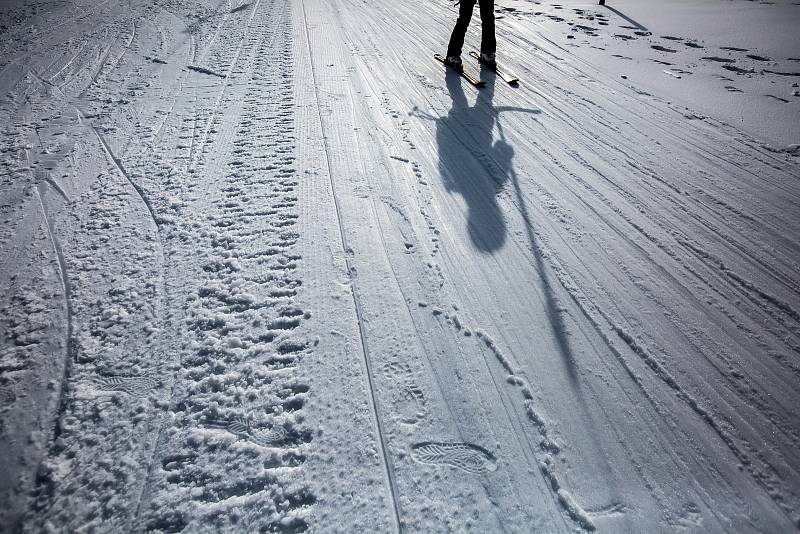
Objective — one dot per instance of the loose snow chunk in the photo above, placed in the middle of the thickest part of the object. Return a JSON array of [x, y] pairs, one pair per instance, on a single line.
[[236, 343], [233, 264], [575, 511]]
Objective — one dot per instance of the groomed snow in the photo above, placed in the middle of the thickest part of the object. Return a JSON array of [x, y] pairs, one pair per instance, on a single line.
[[267, 266]]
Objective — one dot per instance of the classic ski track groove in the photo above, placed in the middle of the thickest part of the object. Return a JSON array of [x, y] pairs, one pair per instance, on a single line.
[[526, 445], [118, 165], [387, 463], [692, 403], [69, 347], [568, 508]]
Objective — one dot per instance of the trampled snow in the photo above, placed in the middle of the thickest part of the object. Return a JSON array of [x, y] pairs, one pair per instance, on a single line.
[[267, 266]]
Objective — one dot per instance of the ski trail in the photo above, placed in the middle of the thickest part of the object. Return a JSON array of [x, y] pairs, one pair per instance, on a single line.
[[148, 479], [572, 509], [178, 92], [564, 102], [118, 164], [70, 352], [568, 504], [240, 283], [426, 335], [570, 305], [215, 108], [389, 469]]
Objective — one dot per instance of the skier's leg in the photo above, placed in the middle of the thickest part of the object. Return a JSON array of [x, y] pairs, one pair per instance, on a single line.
[[488, 39], [460, 30]]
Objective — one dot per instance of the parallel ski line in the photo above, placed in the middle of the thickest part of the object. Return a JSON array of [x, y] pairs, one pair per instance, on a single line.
[[235, 61], [118, 164], [98, 72], [70, 348], [249, 72], [636, 379], [126, 47], [515, 421], [67, 64], [561, 504], [389, 471], [178, 92], [588, 307]]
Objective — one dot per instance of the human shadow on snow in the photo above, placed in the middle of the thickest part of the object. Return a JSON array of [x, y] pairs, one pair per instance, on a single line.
[[471, 162], [476, 166]]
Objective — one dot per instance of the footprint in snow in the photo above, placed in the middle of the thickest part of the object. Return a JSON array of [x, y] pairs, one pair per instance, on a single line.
[[240, 427], [465, 456], [132, 385], [663, 49]]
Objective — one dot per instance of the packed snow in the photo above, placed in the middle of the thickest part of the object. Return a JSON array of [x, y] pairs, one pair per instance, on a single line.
[[268, 266]]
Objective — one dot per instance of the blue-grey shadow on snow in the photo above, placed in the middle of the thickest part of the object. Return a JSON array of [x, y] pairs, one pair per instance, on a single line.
[[471, 162], [626, 17], [476, 166]]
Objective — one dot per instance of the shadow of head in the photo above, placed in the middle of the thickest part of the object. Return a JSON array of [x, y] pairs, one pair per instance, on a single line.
[[486, 225]]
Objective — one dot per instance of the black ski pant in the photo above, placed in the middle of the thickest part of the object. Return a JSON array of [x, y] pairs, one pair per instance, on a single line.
[[488, 42]]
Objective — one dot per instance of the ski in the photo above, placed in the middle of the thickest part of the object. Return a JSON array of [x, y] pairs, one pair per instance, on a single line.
[[471, 77], [507, 76]]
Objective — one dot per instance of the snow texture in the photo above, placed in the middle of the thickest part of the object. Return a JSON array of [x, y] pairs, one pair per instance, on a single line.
[[267, 266]]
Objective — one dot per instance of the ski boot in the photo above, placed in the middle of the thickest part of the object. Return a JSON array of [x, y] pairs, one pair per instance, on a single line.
[[489, 60], [455, 62]]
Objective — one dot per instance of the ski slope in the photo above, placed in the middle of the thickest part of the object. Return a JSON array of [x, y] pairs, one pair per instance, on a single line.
[[268, 267]]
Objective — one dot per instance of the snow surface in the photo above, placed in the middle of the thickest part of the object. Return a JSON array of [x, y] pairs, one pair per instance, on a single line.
[[268, 267]]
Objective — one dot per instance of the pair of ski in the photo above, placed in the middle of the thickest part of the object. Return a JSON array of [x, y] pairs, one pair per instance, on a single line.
[[471, 75]]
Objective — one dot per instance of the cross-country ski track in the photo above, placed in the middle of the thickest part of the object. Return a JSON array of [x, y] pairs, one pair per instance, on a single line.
[[269, 267]]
